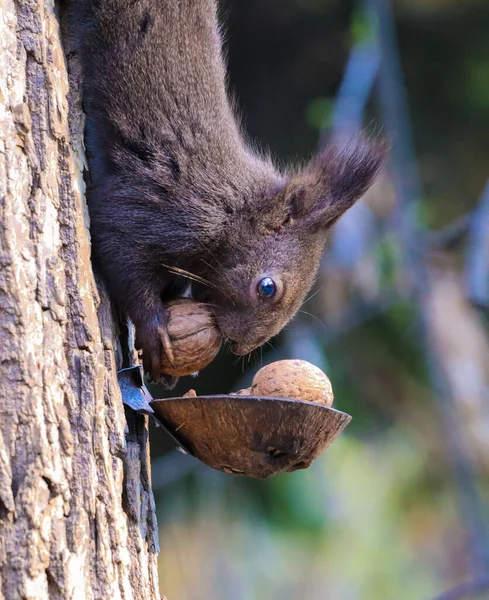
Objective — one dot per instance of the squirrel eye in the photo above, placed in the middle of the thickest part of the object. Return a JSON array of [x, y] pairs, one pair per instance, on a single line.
[[266, 287]]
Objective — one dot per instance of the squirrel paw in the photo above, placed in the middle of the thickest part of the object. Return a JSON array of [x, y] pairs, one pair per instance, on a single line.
[[152, 338]]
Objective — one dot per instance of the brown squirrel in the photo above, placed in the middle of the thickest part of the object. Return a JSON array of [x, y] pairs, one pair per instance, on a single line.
[[175, 185]]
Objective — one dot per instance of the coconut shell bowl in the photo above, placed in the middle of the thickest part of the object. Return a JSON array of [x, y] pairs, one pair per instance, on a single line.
[[256, 436]]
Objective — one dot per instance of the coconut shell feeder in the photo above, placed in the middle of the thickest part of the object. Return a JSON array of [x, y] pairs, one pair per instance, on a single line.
[[256, 436]]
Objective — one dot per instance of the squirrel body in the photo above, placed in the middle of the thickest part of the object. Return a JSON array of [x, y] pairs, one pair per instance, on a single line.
[[175, 185]]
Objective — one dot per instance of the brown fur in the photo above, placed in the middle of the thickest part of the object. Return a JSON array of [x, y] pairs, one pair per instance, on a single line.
[[174, 182]]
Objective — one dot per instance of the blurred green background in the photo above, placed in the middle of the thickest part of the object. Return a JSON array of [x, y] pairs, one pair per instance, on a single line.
[[396, 508]]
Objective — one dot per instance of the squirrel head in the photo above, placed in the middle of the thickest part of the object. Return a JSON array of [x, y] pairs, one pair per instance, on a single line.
[[267, 260]]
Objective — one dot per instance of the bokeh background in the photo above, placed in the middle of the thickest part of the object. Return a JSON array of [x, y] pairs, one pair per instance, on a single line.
[[397, 507]]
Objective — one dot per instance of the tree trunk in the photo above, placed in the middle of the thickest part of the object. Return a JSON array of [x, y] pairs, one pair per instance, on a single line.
[[76, 510]]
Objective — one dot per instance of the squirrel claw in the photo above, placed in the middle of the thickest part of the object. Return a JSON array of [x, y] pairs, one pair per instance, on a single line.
[[166, 343], [168, 381]]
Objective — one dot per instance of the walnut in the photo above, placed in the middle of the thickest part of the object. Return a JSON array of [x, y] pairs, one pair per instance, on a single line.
[[296, 379], [243, 392], [193, 338]]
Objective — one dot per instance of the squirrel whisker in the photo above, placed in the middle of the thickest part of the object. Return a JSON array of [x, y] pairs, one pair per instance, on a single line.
[[188, 275], [304, 312], [196, 278]]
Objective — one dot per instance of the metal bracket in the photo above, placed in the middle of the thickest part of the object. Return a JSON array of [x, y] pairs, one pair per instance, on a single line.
[[136, 395]]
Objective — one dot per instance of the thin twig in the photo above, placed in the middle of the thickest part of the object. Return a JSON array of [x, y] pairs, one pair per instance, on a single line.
[[465, 589], [477, 257]]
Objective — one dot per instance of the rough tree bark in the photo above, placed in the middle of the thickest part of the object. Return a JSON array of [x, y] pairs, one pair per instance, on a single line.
[[76, 510]]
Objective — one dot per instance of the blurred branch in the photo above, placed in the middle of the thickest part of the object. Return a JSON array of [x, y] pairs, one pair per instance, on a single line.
[[451, 235], [409, 191], [355, 88], [477, 259], [468, 588], [395, 111]]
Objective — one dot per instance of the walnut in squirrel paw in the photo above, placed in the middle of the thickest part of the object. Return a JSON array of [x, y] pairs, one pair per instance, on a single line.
[[153, 339], [187, 342]]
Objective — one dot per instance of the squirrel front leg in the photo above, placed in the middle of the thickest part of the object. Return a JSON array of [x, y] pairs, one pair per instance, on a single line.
[[138, 288]]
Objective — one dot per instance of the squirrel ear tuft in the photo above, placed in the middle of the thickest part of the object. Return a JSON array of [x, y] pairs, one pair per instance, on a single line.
[[336, 178]]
